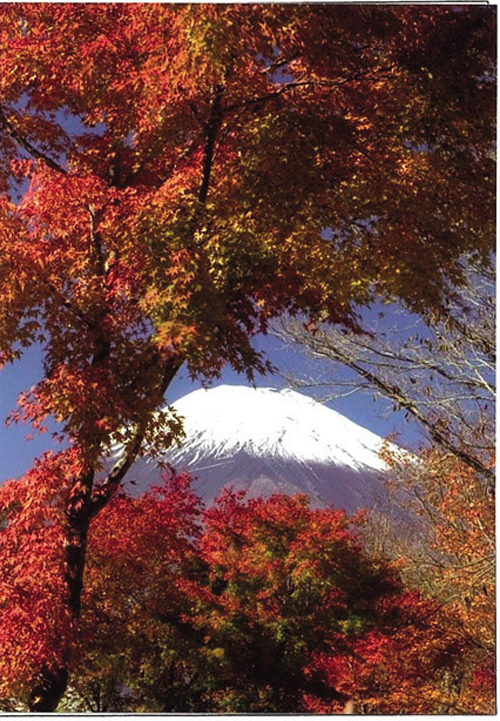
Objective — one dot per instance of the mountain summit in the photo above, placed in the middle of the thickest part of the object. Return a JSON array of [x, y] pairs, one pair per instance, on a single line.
[[269, 441]]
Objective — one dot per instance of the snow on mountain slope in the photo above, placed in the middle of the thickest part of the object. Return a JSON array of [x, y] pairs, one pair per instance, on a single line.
[[269, 441], [283, 424]]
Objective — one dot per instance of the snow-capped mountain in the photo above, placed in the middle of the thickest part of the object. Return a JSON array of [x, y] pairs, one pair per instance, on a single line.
[[270, 441]]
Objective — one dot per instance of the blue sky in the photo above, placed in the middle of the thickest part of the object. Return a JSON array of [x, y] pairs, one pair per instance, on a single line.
[[17, 453]]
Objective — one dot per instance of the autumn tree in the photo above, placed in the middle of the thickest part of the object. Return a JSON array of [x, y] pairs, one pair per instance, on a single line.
[[304, 620], [176, 176], [452, 560]]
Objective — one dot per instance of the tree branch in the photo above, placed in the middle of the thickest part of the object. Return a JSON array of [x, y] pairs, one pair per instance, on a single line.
[[111, 483], [6, 124], [211, 129], [393, 392], [294, 84], [95, 241]]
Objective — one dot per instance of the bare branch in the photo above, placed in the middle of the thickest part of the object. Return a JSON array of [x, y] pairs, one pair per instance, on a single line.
[[438, 374]]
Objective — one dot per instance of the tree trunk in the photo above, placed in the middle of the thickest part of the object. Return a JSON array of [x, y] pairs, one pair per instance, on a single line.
[[78, 514], [82, 506], [48, 690], [50, 684]]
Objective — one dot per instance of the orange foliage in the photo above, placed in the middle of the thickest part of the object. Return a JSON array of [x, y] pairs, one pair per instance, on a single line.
[[35, 623], [455, 561]]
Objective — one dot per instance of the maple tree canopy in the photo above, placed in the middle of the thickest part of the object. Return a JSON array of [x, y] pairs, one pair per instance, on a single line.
[[174, 176]]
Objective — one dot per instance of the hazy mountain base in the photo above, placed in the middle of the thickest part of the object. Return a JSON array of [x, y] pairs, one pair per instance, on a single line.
[[325, 484]]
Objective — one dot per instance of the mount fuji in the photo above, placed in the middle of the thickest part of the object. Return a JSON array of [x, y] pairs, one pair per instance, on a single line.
[[271, 441]]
